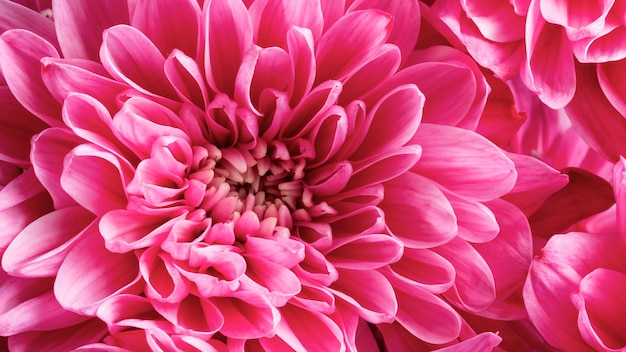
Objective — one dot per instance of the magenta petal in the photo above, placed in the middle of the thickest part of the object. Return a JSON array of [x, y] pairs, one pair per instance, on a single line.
[[169, 24], [384, 166], [369, 292], [300, 47], [28, 255], [164, 282], [612, 79], [273, 19], [369, 28], [284, 252], [475, 221], [61, 340], [307, 330], [228, 36], [406, 198], [193, 315], [20, 55], [90, 274], [365, 252], [79, 25], [16, 16], [602, 309], [486, 341], [186, 77], [246, 321], [464, 162], [422, 268], [129, 56], [88, 168]]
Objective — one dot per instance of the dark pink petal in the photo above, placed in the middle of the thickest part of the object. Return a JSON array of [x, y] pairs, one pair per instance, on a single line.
[[487, 341], [308, 330], [602, 309], [369, 29], [367, 220], [129, 56], [164, 282], [61, 340], [169, 24], [602, 135], [16, 16], [79, 25], [332, 11], [580, 19], [228, 36], [246, 321], [20, 55], [464, 162], [273, 19], [406, 199], [186, 77], [29, 304], [474, 287], [193, 315], [8, 172], [300, 47], [124, 230], [90, 274], [63, 77], [422, 268], [21, 202], [394, 121], [549, 65], [284, 252], [369, 292], [28, 255], [406, 24], [49, 149], [88, 168], [270, 72], [619, 183], [612, 79], [18, 126], [365, 252]]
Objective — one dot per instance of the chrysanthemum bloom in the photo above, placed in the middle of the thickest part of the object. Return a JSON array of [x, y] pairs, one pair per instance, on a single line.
[[574, 291], [272, 175], [539, 39]]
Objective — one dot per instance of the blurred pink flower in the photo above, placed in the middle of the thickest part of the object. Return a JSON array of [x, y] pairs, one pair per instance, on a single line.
[[266, 175], [574, 291]]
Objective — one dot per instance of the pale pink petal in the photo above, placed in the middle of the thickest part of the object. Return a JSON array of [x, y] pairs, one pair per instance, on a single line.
[[79, 25], [20, 55], [87, 168], [21, 17], [308, 330], [497, 21], [464, 162], [129, 56], [169, 24], [602, 309], [18, 126], [406, 198], [90, 274], [21, 202], [602, 48], [580, 19], [278, 283], [61, 340], [28, 255], [369, 28], [284, 252], [369, 292], [228, 35], [124, 230], [549, 66]]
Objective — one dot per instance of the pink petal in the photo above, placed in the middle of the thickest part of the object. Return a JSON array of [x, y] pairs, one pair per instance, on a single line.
[[284, 252], [602, 48], [496, 21], [29, 304], [588, 103], [300, 49], [270, 72], [228, 35], [21, 202], [580, 19], [406, 198], [129, 56], [62, 77], [476, 223], [308, 330], [273, 19], [79, 25], [487, 341], [164, 282], [464, 162], [49, 149], [186, 77], [18, 126], [27, 255], [369, 292], [124, 230], [619, 181], [16, 16], [278, 283], [404, 104], [60, 340], [365, 252], [245, 321], [612, 79], [384, 166], [369, 28], [192, 316], [88, 168], [602, 309], [549, 67], [20, 55], [422, 268], [169, 24], [90, 274]]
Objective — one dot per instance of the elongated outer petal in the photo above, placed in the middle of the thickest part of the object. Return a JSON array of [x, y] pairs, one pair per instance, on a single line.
[[245, 320], [18, 126], [16, 16], [422, 268], [61, 340], [90, 274], [580, 19], [417, 212], [20, 55], [476, 223], [368, 29], [602, 309], [308, 330], [28, 255], [366, 252], [612, 79], [549, 65], [464, 162]]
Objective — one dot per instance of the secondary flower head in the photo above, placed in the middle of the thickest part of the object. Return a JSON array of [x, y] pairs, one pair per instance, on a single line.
[[267, 174]]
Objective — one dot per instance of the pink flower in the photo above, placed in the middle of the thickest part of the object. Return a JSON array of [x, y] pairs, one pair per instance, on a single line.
[[574, 289], [250, 176]]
